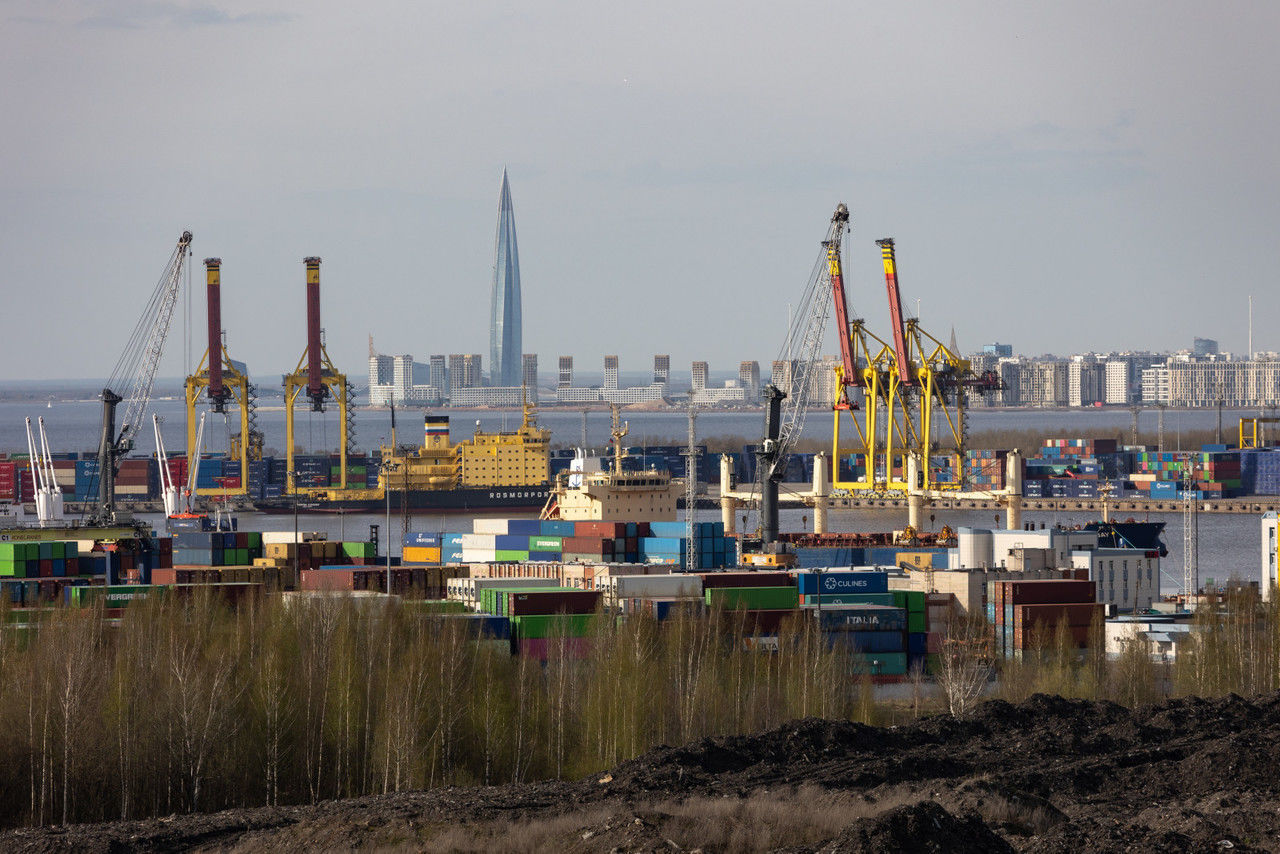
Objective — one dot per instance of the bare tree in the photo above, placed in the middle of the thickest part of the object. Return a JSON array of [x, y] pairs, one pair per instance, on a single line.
[[964, 665]]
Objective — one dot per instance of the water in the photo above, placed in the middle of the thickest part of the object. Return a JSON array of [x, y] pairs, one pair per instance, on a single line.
[[75, 425], [1230, 544]]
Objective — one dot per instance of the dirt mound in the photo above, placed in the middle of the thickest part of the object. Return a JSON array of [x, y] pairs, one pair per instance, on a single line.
[[924, 827], [1047, 775]]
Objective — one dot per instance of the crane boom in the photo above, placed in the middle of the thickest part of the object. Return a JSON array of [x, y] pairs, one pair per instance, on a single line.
[[850, 375], [136, 367], [895, 311], [804, 340], [138, 364]]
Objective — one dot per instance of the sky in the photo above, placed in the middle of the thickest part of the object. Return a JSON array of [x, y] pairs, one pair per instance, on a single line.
[[1065, 177]]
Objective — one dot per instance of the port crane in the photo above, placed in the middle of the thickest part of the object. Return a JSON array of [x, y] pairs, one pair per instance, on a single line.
[[897, 394], [316, 375], [136, 367], [44, 481], [785, 411], [221, 380]]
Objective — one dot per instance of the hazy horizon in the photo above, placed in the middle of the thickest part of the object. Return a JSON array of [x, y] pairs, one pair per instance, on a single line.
[[1070, 178]]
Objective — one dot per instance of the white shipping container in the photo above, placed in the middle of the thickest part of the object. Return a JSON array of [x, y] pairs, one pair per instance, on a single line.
[[478, 555], [489, 526], [467, 590], [653, 586], [290, 537], [478, 541]]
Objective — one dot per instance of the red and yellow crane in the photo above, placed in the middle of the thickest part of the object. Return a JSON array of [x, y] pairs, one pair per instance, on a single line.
[[221, 380]]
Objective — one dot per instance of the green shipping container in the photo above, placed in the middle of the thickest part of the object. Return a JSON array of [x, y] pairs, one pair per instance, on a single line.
[[912, 600], [13, 568], [851, 599], [916, 622], [436, 606], [356, 549], [753, 598], [552, 625], [255, 540], [511, 555], [546, 544], [116, 596], [880, 663]]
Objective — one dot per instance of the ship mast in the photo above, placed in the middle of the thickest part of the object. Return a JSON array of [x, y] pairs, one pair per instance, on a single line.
[[619, 430]]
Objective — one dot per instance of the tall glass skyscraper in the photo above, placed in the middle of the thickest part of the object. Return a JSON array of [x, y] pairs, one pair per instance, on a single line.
[[504, 318]]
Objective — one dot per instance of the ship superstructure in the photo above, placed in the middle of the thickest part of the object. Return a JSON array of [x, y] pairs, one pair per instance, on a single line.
[[614, 495]]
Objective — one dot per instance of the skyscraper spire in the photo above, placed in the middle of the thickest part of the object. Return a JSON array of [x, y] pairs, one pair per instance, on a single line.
[[505, 344]]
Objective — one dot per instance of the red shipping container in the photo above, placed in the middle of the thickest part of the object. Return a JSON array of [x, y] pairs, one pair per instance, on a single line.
[[327, 579], [757, 622], [164, 576], [1047, 591], [543, 649], [587, 545], [711, 580], [553, 602], [599, 529], [1027, 640], [1024, 616], [45, 568]]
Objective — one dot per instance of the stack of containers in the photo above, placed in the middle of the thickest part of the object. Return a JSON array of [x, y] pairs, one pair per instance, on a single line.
[[311, 470], [216, 548], [421, 548], [256, 479], [668, 543], [209, 475], [874, 634], [914, 604], [986, 468], [1024, 613], [1260, 472], [755, 602], [632, 594], [8, 480], [547, 621], [44, 559]]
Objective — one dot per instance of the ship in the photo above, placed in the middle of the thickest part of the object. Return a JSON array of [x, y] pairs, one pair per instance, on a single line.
[[615, 494], [489, 472]]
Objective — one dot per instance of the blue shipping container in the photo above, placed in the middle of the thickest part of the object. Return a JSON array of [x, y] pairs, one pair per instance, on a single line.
[[842, 581]]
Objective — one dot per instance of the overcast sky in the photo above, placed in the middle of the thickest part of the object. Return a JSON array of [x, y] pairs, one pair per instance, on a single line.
[[1063, 177]]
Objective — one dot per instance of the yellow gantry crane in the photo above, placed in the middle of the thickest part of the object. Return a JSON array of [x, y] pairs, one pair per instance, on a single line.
[[221, 380], [322, 381], [901, 398]]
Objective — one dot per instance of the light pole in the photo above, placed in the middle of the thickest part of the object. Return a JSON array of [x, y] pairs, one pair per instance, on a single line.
[[293, 478], [384, 469]]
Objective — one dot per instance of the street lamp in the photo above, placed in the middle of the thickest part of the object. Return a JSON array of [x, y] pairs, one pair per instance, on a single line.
[[385, 467], [293, 478]]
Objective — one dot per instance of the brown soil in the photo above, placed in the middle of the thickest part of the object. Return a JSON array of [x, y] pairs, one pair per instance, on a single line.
[[1049, 775]]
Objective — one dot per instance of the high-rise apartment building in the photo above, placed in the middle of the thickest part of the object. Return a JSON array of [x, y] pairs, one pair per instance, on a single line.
[[472, 370], [565, 378], [439, 373], [699, 375], [529, 371], [749, 377], [456, 373], [611, 372], [661, 369], [505, 343]]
